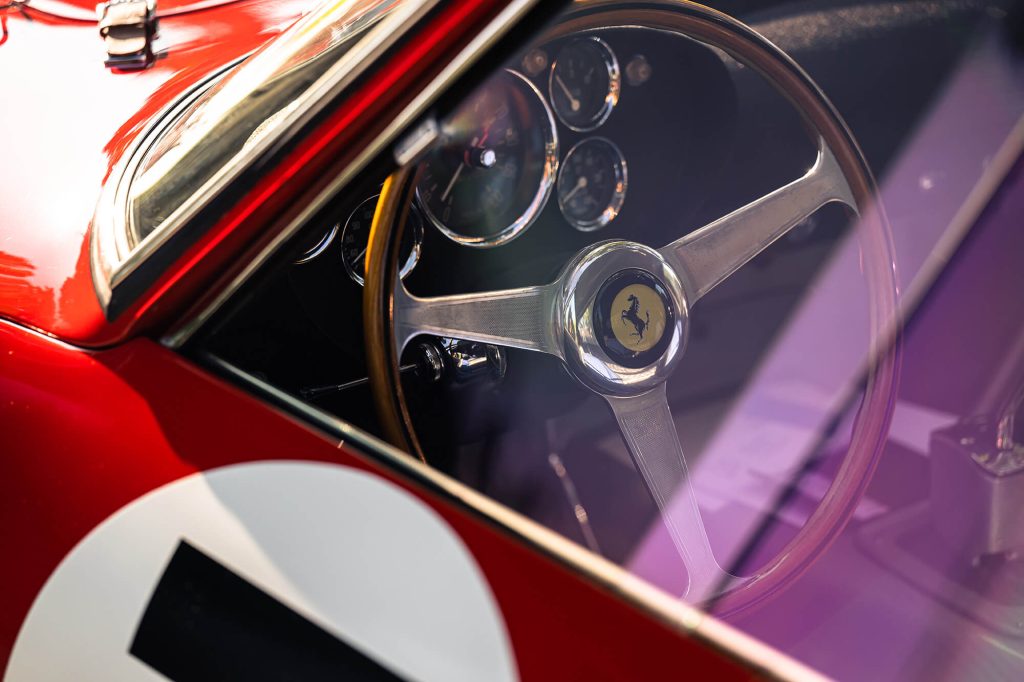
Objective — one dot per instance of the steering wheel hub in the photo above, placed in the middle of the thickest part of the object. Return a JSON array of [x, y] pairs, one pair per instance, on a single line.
[[632, 313], [623, 319]]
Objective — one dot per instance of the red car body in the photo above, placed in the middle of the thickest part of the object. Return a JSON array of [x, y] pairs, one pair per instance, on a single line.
[[93, 414], [98, 414]]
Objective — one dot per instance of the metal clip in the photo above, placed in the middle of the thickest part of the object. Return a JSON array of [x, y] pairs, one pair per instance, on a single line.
[[4, 7], [128, 28]]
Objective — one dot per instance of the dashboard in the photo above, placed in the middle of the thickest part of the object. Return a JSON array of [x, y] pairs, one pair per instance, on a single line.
[[581, 138], [618, 133], [615, 133]]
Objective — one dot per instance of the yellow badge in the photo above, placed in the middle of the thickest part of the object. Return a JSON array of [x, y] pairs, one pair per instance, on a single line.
[[638, 317]]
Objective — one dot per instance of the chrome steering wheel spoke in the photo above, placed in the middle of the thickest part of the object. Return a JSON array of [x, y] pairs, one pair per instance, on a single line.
[[617, 316], [706, 257], [650, 435], [515, 318]]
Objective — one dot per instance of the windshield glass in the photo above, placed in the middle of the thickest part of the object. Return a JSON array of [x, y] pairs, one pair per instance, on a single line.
[[242, 112], [733, 307]]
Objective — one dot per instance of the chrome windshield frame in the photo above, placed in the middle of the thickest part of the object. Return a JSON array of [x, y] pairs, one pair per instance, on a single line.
[[407, 135], [114, 256]]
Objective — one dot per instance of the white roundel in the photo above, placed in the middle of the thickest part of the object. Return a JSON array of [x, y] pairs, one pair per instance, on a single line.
[[295, 564]]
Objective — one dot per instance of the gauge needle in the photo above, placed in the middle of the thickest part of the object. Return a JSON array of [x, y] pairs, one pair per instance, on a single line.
[[580, 185], [359, 257], [573, 102], [451, 183]]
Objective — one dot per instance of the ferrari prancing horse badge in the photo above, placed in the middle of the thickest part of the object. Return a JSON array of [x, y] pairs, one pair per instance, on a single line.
[[641, 320]]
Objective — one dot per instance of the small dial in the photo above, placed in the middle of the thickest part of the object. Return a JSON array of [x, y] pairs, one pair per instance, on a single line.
[[584, 84], [494, 168], [592, 184], [355, 237], [315, 244]]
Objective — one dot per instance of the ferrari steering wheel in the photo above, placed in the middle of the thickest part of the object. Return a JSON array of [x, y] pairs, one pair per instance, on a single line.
[[589, 316]]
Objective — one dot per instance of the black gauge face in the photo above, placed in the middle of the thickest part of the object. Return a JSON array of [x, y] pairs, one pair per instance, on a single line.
[[356, 236], [490, 175], [592, 184], [584, 83]]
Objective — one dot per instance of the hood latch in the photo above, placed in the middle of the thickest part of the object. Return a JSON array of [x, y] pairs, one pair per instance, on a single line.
[[128, 28]]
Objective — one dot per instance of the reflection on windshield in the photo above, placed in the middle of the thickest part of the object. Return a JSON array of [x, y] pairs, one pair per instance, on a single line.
[[764, 440], [232, 117], [767, 445]]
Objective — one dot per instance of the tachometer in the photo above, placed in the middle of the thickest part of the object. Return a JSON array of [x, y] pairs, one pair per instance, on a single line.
[[355, 237], [492, 172], [584, 83], [592, 184]]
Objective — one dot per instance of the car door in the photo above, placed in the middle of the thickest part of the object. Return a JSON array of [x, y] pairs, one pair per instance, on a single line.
[[173, 524]]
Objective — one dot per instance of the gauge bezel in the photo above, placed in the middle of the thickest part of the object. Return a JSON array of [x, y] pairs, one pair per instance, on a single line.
[[540, 198], [415, 224], [611, 99], [321, 246], [614, 207]]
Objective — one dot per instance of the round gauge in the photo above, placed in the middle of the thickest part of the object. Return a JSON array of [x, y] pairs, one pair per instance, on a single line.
[[584, 83], [592, 184], [492, 171], [315, 244], [355, 237]]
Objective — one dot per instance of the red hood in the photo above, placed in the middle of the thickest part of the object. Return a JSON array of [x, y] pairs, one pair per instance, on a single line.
[[66, 119], [85, 10]]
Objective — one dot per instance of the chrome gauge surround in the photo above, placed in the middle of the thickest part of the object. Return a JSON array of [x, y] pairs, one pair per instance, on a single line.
[[314, 251], [545, 184], [562, 87], [568, 189], [363, 213]]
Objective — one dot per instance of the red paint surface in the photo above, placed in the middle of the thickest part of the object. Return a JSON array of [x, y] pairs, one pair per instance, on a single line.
[[65, 119], [56, 171], [85, 10], [223, 250], [83, 434]]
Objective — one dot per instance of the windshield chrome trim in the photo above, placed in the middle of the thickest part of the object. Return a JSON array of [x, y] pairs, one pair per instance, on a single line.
[[109, 242], [111, 221]]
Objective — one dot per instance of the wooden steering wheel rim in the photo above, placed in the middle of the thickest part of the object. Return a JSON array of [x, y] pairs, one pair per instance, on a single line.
[[872, 421]]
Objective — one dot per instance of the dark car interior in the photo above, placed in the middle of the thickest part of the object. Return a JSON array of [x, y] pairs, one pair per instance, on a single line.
[[698, 135]]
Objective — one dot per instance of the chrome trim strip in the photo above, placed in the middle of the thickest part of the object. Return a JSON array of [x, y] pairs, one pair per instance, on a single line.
[[108, 234], [337, 78], [457, 67], [671, 611], [41, 334], [352, 64]]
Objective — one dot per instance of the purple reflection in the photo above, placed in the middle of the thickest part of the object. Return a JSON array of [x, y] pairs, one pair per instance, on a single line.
[[890, 585]]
